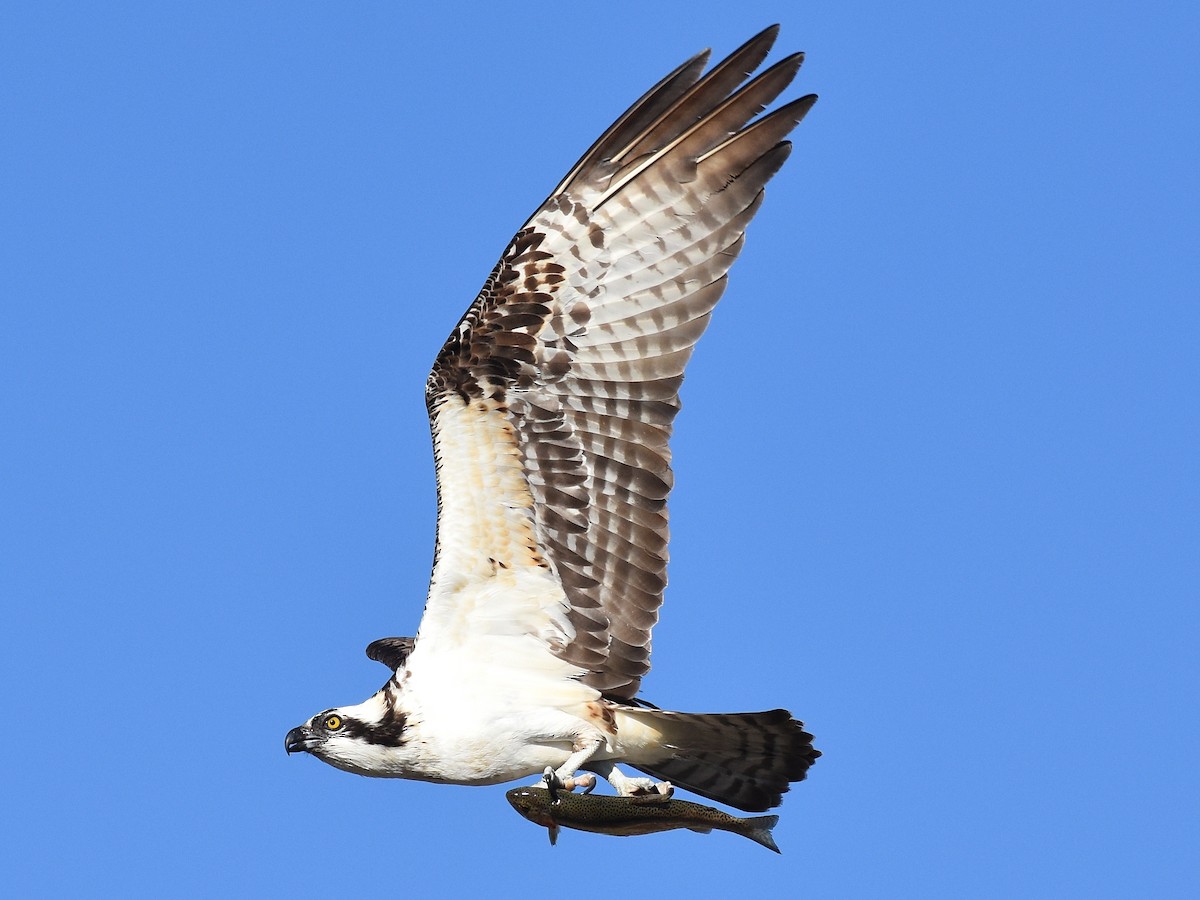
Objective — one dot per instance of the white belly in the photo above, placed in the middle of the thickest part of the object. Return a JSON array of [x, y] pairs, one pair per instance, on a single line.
[[500, 709]]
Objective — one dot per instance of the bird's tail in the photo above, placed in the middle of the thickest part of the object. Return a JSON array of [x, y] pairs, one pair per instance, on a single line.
[[746, 760]]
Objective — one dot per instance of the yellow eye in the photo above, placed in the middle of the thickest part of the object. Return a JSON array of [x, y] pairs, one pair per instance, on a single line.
[[333, 723]]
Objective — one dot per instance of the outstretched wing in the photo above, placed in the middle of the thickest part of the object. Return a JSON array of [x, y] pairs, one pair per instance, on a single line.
[[552, 401]]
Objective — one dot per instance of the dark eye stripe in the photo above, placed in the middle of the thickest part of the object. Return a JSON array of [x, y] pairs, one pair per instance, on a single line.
[[388, 733]]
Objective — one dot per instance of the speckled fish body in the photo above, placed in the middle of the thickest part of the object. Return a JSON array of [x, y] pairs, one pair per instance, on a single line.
[[624, 816]]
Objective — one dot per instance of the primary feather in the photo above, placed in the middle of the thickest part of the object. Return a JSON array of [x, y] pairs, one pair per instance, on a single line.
[[568, 365]]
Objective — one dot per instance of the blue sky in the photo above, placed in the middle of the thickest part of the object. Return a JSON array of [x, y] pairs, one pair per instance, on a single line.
[[937, 467]]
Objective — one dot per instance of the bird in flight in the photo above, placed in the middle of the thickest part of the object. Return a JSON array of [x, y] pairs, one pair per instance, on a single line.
[[551, 406]]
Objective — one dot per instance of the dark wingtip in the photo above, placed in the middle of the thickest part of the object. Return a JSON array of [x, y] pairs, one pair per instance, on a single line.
[[391, 651], [772, 30]]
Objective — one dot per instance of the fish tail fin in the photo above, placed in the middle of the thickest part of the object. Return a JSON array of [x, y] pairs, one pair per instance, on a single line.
[[746, 760], [758, 829]]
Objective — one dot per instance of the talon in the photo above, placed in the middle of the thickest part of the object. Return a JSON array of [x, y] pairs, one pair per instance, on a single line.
[[644, 787], [553, 783], [658, 795], [587, 782]]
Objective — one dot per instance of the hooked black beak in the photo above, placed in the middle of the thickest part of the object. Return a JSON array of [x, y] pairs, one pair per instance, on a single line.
[[302, 738]]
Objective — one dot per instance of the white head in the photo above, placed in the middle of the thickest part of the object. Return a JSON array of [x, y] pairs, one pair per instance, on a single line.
[[372, 738]]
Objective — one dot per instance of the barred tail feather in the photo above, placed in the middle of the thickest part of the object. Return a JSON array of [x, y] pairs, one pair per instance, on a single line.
[[746, 760]]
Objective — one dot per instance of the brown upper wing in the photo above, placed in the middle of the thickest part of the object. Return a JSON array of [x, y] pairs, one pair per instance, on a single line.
[[553, 399]]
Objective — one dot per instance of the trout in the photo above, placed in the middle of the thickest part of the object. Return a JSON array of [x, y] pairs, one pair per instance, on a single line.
[[646, 814]]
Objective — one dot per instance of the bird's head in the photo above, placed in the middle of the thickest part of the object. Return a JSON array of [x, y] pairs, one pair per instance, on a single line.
[[367, 739]]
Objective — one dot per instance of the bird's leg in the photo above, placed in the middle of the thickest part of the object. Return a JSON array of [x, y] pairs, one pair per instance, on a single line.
[[554, 784], [585, 748], [628, 786], [563, 778]]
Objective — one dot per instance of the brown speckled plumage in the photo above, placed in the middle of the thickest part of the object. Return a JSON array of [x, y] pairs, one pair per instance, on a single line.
[[579, 339]]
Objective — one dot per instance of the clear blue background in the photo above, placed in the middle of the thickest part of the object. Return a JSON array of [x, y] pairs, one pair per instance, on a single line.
[[937, 469]]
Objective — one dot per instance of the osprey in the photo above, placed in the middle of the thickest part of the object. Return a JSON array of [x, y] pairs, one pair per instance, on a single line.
[[551, 406]]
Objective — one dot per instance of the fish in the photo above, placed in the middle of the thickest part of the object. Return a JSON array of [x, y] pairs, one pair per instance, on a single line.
[[643, 814]]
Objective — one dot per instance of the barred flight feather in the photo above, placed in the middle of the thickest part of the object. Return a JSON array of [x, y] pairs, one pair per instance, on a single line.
[[562, 379]]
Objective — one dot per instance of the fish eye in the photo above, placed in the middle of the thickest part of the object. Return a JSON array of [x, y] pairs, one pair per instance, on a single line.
[[333, 722]]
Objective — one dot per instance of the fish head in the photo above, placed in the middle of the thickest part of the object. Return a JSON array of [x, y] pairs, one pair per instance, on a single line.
[[532, 803]]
